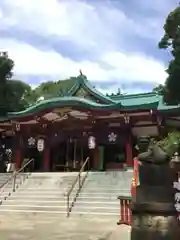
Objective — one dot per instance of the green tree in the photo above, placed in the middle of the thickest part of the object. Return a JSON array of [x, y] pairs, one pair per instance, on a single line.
[[13, 93], [19, 91], [53, 89], [159, 89], [16, 95], [171, 143], [171, 42], [6, 67]]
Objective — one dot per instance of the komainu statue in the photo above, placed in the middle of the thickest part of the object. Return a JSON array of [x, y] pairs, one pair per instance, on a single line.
[[153, 212]]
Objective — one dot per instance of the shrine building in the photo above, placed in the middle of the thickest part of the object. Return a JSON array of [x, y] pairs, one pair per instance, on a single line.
[[59, 133]]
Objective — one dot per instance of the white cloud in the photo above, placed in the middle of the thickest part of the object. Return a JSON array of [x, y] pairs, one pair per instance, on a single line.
[[96, 25], [126, 68], [86, 23], [133, 67]]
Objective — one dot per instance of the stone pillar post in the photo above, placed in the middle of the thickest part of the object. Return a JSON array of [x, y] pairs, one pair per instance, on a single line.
[[153, 212]]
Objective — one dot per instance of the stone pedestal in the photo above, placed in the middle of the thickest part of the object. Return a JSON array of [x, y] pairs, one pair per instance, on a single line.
[[153, 213], [151, 226]]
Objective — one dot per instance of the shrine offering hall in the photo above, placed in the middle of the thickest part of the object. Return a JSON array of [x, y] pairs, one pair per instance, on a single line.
[[60, 133]]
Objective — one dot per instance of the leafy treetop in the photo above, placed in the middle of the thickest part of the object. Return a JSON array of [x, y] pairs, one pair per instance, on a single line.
[[171, 42], [6, 66]]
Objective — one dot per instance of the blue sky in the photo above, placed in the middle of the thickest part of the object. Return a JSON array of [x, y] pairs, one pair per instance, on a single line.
[[114, 42]]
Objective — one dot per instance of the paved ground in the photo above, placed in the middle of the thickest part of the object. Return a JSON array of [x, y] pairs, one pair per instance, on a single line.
[[43, 227]]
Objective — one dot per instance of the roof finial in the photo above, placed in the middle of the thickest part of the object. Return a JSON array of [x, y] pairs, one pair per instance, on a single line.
[[80, 71]]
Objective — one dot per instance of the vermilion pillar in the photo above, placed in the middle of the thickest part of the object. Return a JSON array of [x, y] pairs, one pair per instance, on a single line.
[[17, 148], [135, 178], [17, 158], [46, 156], [96, 158], [129, 153]]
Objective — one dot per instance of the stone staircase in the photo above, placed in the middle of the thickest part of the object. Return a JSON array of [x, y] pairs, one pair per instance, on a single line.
[[41, 193], [100, 192], [7, 189], [37, 210], [46, 193]]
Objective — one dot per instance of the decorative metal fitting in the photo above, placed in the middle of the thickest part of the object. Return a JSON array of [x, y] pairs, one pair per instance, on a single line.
[[126, 118]]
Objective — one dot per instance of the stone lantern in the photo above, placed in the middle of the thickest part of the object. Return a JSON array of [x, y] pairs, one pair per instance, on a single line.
[[153, 212]]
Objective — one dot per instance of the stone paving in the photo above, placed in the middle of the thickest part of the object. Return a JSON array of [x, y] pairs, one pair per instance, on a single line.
[[46, 227]]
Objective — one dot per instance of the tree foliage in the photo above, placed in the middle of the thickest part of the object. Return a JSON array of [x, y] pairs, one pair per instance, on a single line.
[[159, 89], [171, 143], [54, 88], [18, 91], [171, 42], [6, 67], [12, 92], [15, 95]]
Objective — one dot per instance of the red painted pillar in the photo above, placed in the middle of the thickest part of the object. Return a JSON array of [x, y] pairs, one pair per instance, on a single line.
[[135, 179], [46, 156], [17, 148], [17, 158], [129, 154], [96, 158]]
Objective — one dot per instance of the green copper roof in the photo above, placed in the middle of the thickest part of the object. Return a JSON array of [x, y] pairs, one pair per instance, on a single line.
[[123, 104], [138, 101], [85, 84], [145, 101], [164, 108], [63, 102]]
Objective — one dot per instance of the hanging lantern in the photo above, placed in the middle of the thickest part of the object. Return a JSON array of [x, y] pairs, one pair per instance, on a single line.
[[40, 145], [18, 127], [91, 142], [126, 118]]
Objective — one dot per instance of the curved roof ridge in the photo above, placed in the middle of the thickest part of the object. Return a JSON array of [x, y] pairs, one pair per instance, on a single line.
[[138, 95], [69, 101], [82, 81], [73, 89], [95, 92]]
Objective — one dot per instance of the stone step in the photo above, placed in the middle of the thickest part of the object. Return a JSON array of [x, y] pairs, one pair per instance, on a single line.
[[10, 210], [5, 192], [85, 193], [4, 197], [113, 185], [31, 197], [122, 176], [33, 207], [109, 188], [96, 198], [44, 189], [60, 202], [63, 198], [108, 181], [35, 202], [30, 183], [18, 180], [38, 192], [96, 209], [57, 213], [97, 204], [102, 191]]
